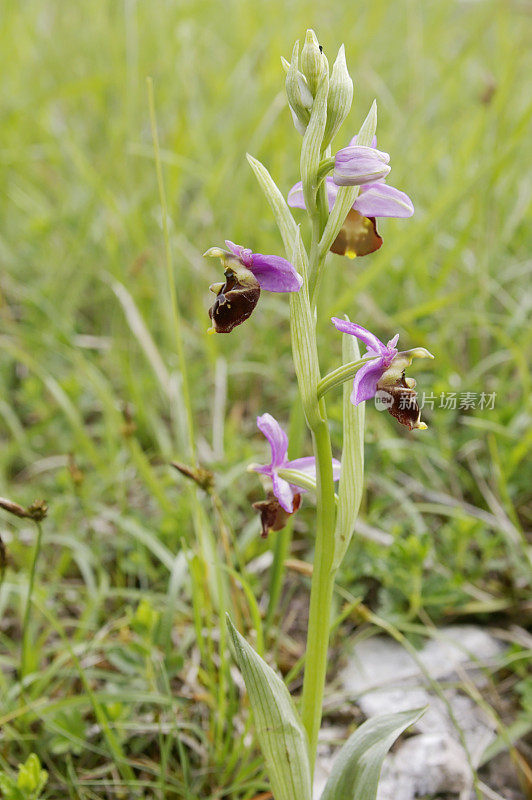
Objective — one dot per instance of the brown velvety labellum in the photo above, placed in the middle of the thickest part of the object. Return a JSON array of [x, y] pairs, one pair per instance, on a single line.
[[358, 236], [235, 301], [404, 408], [273, 517]]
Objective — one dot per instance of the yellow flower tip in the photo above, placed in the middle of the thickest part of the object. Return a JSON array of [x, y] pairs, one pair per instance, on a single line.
[[350, 254], [210, 331], [419, 352], [214, 252], [421, 426]]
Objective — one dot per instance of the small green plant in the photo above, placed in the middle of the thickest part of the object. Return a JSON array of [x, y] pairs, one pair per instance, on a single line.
[[29, 783]]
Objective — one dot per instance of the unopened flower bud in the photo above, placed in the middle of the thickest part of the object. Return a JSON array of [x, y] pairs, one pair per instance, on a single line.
[[339, 99], [204, 478], [36, 511], [313, 62], [356, 165], [298, 93]]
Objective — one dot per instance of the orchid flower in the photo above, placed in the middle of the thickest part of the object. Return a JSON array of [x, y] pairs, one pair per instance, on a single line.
[[246, 273], [359, 235], [384, 372], [285, 492]]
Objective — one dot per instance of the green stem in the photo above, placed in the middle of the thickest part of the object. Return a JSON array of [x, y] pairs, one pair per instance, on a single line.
[[27, 611], [321, 588], [283, 541], [317, 257], [326, 166], [339, 375]]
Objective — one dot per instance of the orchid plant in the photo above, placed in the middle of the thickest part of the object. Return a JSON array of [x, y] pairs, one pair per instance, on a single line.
[[343, 195]]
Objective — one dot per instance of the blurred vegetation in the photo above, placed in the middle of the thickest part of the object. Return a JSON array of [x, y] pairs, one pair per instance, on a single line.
[[128, 691]]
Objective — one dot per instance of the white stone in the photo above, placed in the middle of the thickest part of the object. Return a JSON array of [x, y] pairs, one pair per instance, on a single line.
[[382, 677]]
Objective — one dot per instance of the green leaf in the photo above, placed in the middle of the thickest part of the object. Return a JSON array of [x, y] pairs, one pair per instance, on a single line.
[[283, 216], [356, 771], [368, 127], [279, 730], [352, 472]]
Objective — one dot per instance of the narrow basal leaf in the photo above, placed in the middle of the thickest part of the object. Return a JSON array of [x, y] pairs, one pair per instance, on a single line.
[[279, 730], [357, 768], [352, 472]]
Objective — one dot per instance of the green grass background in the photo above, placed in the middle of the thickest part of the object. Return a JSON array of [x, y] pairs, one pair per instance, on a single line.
[[129, 692]]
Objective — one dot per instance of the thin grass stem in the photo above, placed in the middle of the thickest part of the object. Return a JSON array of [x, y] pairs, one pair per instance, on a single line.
[[188, 436], [27, 611]]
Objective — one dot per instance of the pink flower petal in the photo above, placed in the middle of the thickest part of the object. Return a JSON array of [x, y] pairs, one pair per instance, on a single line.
[[380, 200], [277, 438], [283, 492], [243, 253], [275, 274], [365, 382], [371, 341]]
